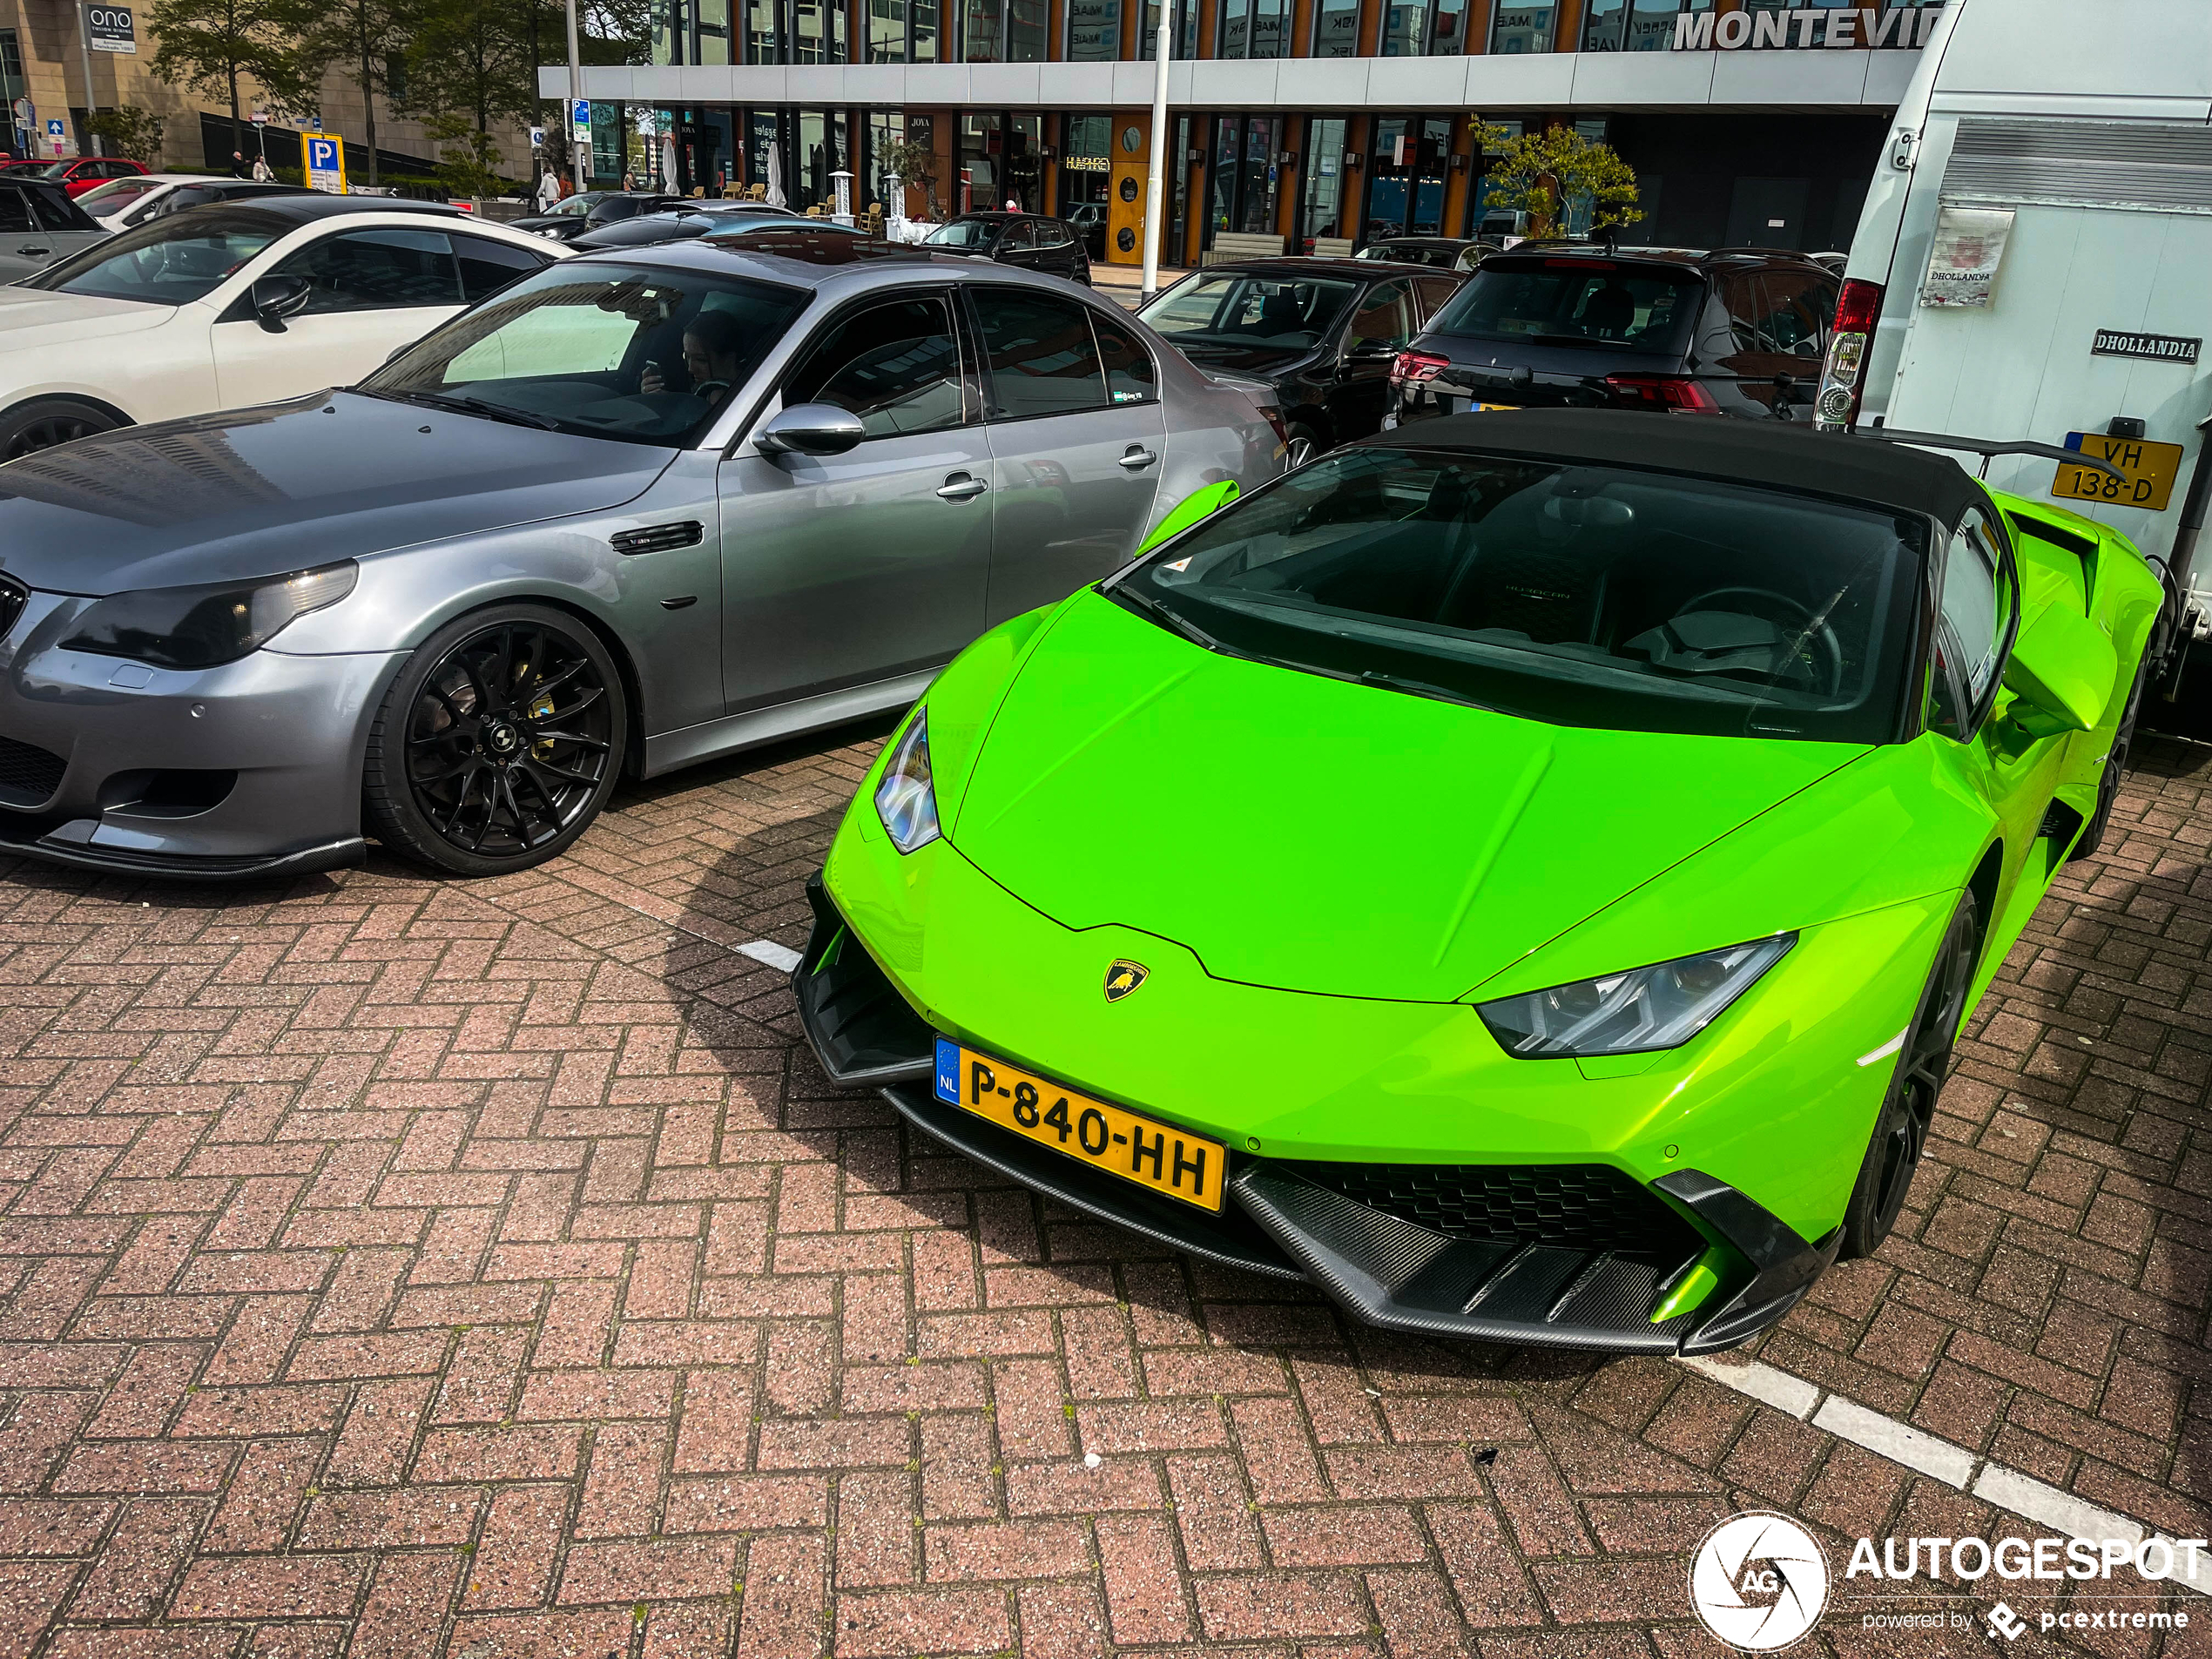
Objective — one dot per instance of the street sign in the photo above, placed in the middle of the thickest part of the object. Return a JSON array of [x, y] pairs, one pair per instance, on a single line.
[[261, 117], [324, 159], [109, 28], [316, 121], [25, 110], [538, 138]]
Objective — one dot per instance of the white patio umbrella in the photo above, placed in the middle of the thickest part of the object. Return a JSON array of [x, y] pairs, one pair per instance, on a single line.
[[775, 197], [668, 162]]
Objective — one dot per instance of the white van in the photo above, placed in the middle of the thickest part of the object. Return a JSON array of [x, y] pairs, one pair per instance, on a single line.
[[2034, 262]]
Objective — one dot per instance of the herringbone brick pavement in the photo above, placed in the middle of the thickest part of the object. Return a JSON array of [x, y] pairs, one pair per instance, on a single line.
[[393, 1267]]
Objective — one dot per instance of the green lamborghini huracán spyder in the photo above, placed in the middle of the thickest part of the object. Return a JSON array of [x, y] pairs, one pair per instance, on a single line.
[[1524, 876]]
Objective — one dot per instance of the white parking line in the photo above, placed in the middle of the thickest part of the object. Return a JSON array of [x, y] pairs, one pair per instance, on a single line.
[[1993, 1483], [780, 957]]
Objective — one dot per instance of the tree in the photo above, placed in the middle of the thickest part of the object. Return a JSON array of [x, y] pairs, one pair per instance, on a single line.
[[469, 161], [206, 45], [364, 40], [911, 164], [1540, 173], [127, 130]]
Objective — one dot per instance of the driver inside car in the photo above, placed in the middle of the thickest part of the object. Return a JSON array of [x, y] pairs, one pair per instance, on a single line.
[[710, 344]]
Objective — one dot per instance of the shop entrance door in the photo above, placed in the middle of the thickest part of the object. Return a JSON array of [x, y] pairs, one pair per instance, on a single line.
[[1125, 212], [1768, 212], [1406, 177]]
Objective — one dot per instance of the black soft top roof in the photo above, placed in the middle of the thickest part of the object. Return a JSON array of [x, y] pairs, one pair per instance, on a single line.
[[1768, 453]]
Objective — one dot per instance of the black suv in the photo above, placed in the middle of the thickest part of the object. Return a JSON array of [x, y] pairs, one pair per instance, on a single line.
[[1735, 331], [1030, 240]]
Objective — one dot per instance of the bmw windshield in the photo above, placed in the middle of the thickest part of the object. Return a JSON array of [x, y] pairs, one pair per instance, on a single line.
[[600, 348], [1578, 595], [167, 262]]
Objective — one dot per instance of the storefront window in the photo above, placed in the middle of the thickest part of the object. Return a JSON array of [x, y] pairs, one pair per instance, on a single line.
[[1637, 25], [1093, 31], [1335, 28], [1024, 139], [714, 31], [886, 32], [760, 33], [1521, 26], [667, 35], [1322, 208], [924, 15], [809, 40], [1405, 178], [886, 128], [1025, 32], [1269, 29], [760, 133], [1087, 178], [1235, 30], [980, 141], [1186, 29], [1448, 30]]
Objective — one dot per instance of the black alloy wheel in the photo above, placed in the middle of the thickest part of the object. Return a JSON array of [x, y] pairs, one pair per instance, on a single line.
[[1300, 445], [42, 425], [498, 743], [1908, 1110]]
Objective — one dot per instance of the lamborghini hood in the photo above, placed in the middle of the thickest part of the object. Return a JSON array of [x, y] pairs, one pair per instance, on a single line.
[[1299, 832]]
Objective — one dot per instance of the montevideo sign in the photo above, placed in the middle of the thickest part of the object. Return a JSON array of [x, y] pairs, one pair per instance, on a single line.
[[1864, 27]]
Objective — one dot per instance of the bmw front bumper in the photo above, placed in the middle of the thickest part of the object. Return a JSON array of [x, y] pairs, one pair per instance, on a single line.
[[250, 769], [1575, 1256]]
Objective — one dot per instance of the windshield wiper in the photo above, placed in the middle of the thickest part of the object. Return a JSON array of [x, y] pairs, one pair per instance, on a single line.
[[1421, 688], [485, 407], [1167, 619]]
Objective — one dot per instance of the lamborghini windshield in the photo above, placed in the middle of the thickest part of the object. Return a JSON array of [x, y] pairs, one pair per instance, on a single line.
[[1579, 595]]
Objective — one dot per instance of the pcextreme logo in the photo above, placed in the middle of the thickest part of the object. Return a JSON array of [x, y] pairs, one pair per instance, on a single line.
[[1759, 1581]]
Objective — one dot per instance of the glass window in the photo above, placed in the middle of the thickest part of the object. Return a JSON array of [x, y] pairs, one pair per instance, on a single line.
[[1241, 312], [1261, 176], [1236, 27], [968, 234], [982, 23], [1971, 631], [1385, 318], [1651, 23], [642, 353], [15, 211], [1602, 25], [1559, 302], [895, 366], [886, 32], [1447, 34], [1322, 179], [1520, 26], [760, 43], [1093, 31], [924, 13], [1586, 596], [1404, 25], [167, 262], [1044, 358], [1025, 32], [1129, 377], [487, 267], [1435, 293], [1270, 28], [1335, 28], [1020, 236], [382, 270]]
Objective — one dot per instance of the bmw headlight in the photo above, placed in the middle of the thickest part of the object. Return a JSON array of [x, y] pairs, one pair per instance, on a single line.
[[905, 799], [202, 626], [1635, 1012]]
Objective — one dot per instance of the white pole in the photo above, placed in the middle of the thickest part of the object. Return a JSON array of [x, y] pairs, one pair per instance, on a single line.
[[579, 159], [1156, 211]]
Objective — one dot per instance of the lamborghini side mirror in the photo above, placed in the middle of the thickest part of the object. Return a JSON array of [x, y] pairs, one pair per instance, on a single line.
[[2063, 668]]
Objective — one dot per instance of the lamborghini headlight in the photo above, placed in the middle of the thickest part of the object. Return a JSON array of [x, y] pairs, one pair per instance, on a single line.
[[201, 627], [1635, 1012], [905, 799]]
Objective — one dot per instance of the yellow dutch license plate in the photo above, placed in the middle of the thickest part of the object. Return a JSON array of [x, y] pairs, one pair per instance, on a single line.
[[1170, 1161], [2151, 470]]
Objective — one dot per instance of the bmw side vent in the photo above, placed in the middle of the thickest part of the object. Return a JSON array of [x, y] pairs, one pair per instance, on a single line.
[[660, 538]]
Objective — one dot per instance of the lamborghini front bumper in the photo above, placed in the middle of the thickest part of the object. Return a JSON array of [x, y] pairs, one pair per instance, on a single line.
[[1563, 1255]]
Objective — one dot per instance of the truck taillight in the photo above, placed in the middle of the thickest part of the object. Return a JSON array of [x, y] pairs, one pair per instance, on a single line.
[[1834, 409], [1663, 393], [1411, 367]]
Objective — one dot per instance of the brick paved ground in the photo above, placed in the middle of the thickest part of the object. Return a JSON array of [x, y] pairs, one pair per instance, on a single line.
[[486, 1269]]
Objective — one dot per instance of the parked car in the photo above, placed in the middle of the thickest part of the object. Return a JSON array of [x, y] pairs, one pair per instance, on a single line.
[[1088, 220], [1583, 325], [1323, 332], [121, 203], [80, 174], [1617, 818], [1028, 240], [1439, 252], [645, 509], [702, 218], [38, 225], [234, 304], [588, 210]]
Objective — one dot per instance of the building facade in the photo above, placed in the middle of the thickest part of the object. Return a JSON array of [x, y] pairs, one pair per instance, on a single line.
[[1748, 121]]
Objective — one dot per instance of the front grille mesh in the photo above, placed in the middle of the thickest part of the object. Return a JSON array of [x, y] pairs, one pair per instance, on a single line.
[[1588, 1206], [29, 776]]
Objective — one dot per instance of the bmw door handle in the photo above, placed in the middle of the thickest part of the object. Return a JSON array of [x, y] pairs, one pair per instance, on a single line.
[[34, 252], [961, 487], [1138, 458]]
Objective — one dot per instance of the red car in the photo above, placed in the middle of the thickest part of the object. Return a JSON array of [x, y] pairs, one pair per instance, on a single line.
[[80, 174]]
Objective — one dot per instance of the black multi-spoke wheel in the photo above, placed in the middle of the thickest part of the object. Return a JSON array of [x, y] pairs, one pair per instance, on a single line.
[[1302, 444], [1901, 1131], [46, 422], [2093, 837], [498, 743]]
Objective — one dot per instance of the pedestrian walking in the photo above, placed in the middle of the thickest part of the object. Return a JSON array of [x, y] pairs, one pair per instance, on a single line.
[[239, 169], [549, 191]]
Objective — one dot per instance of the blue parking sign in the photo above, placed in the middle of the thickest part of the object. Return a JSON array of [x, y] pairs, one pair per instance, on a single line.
[[323, 155]]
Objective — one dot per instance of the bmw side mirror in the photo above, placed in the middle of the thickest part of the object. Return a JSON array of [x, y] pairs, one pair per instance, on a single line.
[[809, 429], [276, 297]]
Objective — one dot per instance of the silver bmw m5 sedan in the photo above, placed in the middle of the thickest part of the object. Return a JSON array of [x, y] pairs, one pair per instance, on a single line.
[[637, 510]]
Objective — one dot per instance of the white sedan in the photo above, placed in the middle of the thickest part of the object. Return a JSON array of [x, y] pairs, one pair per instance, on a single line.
[[121, 203], [239, 303]]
